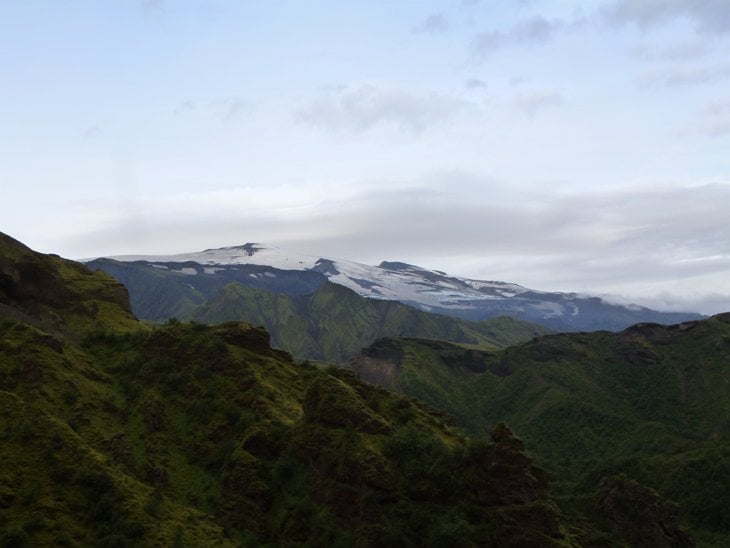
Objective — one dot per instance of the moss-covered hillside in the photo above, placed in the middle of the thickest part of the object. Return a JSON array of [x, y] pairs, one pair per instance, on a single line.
[[652, 402], [116, 434], [334, 323]]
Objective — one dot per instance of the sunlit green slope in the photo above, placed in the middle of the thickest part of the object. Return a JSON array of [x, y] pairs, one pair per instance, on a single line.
[[334, 323]]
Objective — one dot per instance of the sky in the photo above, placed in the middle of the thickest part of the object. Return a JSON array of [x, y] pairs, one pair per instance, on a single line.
[[565, 145]]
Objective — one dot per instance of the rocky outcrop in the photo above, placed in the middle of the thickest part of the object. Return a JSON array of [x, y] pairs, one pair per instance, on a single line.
[[332, 402], [504, 472], [639, 515], [253, 338]]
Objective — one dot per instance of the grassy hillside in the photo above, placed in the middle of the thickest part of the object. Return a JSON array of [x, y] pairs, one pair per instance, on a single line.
[[334, 323], [116, 434], [652, 402]]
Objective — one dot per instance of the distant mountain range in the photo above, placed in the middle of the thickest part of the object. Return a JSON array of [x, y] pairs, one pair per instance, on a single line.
[[186, 280]]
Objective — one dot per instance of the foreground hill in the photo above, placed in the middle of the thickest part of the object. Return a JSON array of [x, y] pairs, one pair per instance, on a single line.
[[57, 294], [165, 286], [117, 434], [652, 402]]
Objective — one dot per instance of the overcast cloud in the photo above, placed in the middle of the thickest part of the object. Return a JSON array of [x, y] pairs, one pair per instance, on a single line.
[[572, 146]]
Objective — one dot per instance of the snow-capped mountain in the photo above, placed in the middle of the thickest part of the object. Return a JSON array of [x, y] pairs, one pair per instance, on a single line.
[[389, 280], [431, 290]]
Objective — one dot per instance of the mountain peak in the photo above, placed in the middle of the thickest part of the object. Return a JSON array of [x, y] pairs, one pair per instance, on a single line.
[[398, 266], [250, 248]]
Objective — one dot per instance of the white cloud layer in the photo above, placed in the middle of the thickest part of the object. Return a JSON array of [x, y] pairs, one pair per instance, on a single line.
[[365, 106]]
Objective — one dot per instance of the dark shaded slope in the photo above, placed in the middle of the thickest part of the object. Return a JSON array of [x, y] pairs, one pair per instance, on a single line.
[[56, 293]]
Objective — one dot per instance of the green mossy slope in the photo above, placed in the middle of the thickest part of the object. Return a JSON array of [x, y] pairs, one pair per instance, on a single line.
[[115, 434], [334, 323], [652, 402]]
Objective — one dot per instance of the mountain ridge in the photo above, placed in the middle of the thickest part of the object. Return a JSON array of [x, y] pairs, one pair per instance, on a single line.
[[429, 290]]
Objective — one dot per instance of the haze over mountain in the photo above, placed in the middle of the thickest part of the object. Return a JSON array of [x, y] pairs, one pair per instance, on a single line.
[[165, 286]]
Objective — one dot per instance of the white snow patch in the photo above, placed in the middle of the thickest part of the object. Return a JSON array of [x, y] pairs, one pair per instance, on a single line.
[[551, 310]]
